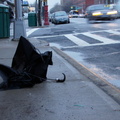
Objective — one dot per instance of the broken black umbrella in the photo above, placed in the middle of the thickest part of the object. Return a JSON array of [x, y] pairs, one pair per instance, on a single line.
[[28, 67]]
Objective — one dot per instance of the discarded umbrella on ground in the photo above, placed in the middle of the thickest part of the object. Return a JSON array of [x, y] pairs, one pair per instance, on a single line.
[[28, 68]]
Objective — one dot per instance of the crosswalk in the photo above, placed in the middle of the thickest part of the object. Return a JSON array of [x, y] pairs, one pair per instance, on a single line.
[[78, 41], [92, 35], [103, 40]]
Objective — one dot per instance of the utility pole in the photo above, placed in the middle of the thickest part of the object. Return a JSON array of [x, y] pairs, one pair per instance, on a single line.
[[39, 12], [36, 7], [46, 21], [19, 27]]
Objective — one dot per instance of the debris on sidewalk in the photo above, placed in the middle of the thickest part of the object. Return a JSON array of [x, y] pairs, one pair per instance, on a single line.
[[28, 68]]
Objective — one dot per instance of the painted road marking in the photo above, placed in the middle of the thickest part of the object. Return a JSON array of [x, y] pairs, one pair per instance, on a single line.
[[77, 40], [100, 38], [113, 32], [81, 43], [28, 31], [31, 31]]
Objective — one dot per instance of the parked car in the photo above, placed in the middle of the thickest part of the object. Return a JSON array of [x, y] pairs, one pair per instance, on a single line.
[[101, 12], [60, 17], [51, 17]]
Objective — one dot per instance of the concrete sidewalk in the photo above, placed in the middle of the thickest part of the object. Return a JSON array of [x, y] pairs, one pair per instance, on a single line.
[[78, 98]]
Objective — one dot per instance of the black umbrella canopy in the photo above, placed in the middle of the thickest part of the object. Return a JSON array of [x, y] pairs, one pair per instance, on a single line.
[[28, 66]]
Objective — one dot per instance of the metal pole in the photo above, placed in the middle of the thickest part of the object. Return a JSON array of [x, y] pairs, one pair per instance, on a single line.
[[36, 6], [19, 27], [39, 12]]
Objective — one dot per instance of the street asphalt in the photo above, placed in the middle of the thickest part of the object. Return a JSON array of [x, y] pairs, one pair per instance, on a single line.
[[83, 96]]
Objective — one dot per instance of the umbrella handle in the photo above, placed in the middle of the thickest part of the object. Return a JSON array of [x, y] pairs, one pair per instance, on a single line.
[[61, 80]]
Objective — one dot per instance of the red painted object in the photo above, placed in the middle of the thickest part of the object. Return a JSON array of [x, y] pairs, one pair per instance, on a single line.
[[46, 20]]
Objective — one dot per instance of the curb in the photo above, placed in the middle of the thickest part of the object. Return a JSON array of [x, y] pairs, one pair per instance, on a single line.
[[35, 42], [102, 83]]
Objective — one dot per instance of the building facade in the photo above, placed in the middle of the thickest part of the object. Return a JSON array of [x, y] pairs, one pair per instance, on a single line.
[[91, 2], [83, 4], [80, 4]]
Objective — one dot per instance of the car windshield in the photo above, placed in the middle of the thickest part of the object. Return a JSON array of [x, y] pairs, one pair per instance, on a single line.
[[60, 14]]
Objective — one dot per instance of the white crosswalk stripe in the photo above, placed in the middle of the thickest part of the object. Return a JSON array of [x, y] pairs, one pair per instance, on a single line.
[[114, 32], [100, 38], [77, 40], [31, 31]]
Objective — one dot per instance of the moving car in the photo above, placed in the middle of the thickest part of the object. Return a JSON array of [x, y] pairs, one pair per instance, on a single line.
[[81, 15], [74, 14], [60, 17], [117, 7], [100, 12]]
